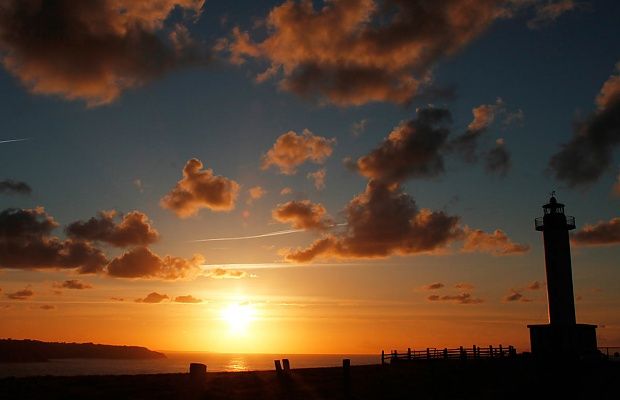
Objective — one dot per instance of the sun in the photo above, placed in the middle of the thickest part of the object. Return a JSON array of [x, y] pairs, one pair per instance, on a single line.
[[238, 317]]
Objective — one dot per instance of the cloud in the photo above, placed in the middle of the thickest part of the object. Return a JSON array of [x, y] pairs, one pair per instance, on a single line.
[[536, 285], [497, 160], [153, 298], [187, 299], [319, 178], [600, 234], [496, 243], [548, 12], [286, 191], [362, 50], [302, 214], [141, 262], [72, 284], [434, 286], [412, 150], [134, 229], [384, 221], [47, 307], [463, 298], [91, 50], [9, 186], [464, 285], [589, 153], [26, 242], [255, 193], [516, 295], [359, 127], [200, 189], [291, 150], [23, 294], [221, 273]]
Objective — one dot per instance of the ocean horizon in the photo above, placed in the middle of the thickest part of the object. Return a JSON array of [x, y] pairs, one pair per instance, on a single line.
[[178, 362]]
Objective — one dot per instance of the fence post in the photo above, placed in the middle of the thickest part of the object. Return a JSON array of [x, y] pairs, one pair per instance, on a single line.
[[474, 350], [445, 353], [286, 364], [491, 351], [382, 357], [197, 373], [462, 353], [428, 353], [278, 366], [501, 351], [409, 353]]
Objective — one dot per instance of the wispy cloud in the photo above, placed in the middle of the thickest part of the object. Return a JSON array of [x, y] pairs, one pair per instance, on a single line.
[[262, 235], [13, 140]]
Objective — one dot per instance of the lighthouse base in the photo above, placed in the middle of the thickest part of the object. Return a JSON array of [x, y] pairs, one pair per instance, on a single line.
[[572, 341]]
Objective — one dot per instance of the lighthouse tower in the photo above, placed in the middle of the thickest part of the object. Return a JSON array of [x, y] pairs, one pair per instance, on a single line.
[[562, 336]]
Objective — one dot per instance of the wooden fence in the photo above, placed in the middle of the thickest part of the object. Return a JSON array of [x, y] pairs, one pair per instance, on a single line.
[[460, 353]]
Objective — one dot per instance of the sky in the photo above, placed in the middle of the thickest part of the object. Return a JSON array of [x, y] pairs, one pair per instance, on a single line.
[[343, 176]]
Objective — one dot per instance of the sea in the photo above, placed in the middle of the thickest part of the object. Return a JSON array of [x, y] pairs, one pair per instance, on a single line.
[[177, 362]]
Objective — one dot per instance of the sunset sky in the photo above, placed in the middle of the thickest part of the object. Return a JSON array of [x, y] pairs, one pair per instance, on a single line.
[[338, 176]]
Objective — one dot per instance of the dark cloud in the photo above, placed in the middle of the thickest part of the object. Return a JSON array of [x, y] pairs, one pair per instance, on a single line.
[[363, 50], [434, 286], [187, 299], [496, 243], [302, 214], [92, 50], [72, 284], [381, 222], [412, 150], [200, 189], [26, 242], [23, 294], [221, 273], [498, 160], [9, 186], [291, 150], [47, 307], [463, 298], [536, 285], [134, 229], [600, 234], [585, 158], [466, 145], [516, 295], [153, 298], [141, 262]]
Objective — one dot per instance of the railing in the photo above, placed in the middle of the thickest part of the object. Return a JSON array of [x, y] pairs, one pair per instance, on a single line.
[[539, 223], [461, 353], [612, 353]]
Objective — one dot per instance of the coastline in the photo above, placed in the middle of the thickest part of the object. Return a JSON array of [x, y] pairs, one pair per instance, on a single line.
[[480, 379]]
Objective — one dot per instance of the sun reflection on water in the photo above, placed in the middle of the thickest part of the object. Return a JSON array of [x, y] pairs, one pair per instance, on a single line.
[[236, 364]]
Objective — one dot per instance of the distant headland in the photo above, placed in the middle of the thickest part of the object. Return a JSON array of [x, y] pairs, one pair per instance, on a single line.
[[38, 351]]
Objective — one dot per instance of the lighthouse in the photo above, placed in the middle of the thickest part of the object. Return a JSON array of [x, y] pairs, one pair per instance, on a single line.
[[562, 336]]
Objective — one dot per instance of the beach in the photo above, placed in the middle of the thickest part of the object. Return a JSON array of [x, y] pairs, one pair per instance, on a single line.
[[441, 379]]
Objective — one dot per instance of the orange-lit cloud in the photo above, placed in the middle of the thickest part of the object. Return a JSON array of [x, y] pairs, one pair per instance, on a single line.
[[412, 150], [255, 193], [291, 150], [26, 242], [384, 221], [318, 177], [200, 189], [302, 214], [286, 191], [23, 294], [462, 298], [72, 284], [153, 298], [189, 299], [600, 234], [90, 50], [9, 186], [134, 229], [141, 262], [548, 12], [362, 50], [464, 285], [496, 243], [589, 153], [221, 273]]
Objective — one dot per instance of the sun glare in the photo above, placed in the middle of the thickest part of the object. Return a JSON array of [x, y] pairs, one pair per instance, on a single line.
[[238, 317]]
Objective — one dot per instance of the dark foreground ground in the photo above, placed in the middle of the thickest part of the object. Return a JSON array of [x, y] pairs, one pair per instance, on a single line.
[[481, 379]]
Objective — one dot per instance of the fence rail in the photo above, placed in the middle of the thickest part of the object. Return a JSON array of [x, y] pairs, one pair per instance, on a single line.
[[460, 353], [612, 353]]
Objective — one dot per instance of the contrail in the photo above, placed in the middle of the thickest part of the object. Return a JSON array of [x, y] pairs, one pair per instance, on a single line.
[[269, 234], [13, 140]]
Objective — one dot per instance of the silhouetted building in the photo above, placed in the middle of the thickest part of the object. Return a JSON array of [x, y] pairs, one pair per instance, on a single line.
[[562, 336]]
